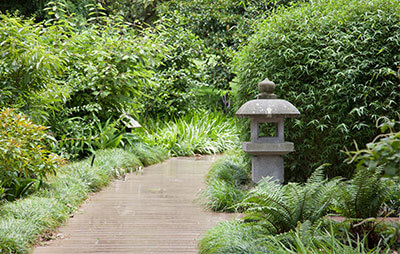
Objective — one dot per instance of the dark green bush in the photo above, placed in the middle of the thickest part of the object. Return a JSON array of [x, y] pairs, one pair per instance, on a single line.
[[24, 160], [29, 66], [178, 75], [337, 62], [222, 24]]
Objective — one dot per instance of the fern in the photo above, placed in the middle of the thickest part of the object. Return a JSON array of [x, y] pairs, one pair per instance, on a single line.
[[280, 208], [363, 196]]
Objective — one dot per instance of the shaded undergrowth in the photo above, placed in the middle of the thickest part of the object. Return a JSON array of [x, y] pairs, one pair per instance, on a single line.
[[201, 133]]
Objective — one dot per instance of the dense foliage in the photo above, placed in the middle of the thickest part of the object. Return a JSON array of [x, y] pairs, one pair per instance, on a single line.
[[29, 67], [24, 160], [223, 26], [245, 238], [87, 68], [383, 153], [337, 62]]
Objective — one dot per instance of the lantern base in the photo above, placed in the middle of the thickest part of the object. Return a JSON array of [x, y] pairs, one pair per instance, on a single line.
[[267, 165]]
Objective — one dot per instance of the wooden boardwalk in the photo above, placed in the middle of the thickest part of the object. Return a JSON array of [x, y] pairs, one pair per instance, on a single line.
[[150, 213]]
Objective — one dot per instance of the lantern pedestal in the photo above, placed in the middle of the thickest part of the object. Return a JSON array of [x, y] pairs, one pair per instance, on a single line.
[[267, 160], [271, 165]]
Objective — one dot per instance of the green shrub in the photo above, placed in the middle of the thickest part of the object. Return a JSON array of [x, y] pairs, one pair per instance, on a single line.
[[29, 66], [111, 78], [139, 11], [223, 25], [381, 154], [364, 195], [24, 160], [337, 62], [37, 8], [178, 75]]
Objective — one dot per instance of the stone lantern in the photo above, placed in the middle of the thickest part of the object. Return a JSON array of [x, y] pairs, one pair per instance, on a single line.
[[267, 114]]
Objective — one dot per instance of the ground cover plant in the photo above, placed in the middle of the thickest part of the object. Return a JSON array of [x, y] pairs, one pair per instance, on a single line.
[[337, 62], [237, 237], [201, 133]]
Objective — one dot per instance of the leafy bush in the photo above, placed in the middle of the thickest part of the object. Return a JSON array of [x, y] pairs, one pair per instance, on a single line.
[[111, 78], [29, 67], [223, 25], [178, 75], [337, 62], [139, 11], [37, 8], [24, 160], [381, 154]]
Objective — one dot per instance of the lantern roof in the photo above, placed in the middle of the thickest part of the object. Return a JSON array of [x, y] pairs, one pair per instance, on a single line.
[[266, 105]]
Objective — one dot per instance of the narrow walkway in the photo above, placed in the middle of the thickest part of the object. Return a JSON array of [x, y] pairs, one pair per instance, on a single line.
[[150, 213]]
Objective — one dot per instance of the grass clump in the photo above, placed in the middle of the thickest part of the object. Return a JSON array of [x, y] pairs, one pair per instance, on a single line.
[[222, 196], [147, 154], [233, 237], [226, 182], [24, 220]]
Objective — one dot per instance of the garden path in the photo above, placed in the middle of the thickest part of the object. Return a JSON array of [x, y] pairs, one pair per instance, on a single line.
[[153, 212]]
